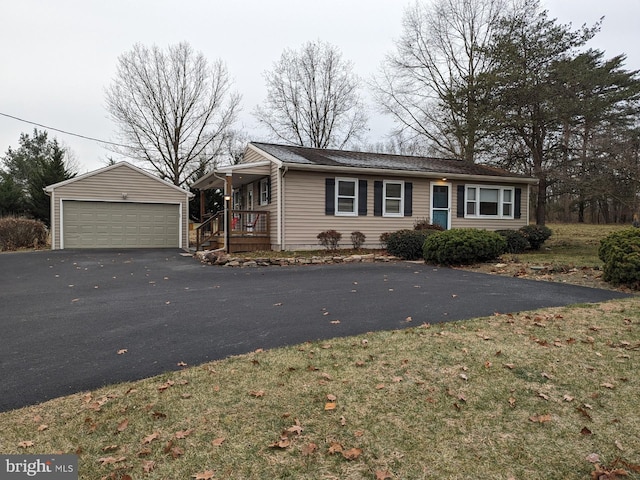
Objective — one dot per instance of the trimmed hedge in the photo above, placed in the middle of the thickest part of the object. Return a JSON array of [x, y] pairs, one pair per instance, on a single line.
[[407, 244], [620, 252], [536, 235], [516, 241], [16, 232], [463, 246]]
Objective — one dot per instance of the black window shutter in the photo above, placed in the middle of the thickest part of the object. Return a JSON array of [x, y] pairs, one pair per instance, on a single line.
[[517, 211], [268, 189], [408, 199], [330, 196], [460, 209], [362, 197], [377, 198]]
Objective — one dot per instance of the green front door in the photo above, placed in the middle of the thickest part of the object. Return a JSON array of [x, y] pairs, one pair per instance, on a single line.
[[440, 205]]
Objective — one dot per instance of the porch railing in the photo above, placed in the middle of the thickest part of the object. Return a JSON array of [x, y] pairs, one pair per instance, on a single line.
[[243, 223]]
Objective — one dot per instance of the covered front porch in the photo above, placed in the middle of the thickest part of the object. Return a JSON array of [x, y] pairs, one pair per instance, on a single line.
[[244, 224]]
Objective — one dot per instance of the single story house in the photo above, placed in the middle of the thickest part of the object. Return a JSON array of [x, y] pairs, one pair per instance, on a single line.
[[118, 206], [281, 197]]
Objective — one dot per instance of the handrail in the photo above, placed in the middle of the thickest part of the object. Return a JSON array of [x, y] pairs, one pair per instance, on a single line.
[[205, 230]]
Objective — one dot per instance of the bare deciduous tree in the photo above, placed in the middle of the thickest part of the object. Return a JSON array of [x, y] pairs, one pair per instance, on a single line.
[[172, 108], [312, 98], [430, 84]]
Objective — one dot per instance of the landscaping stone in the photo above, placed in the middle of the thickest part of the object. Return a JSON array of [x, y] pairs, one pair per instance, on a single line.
[[223, 259]]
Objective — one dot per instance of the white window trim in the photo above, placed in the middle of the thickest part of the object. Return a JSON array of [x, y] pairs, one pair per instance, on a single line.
[[264, 192], [384, 198], [501, 189], [354, 213]]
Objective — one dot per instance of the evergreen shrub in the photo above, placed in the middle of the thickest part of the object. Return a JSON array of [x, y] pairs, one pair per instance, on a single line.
[[516, 241], [536, 235], [620, 252], [463, 246], [407, 244]]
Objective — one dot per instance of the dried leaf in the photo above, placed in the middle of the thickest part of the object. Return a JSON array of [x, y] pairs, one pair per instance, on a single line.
[[150, 438], [148, 466], [183, 433], [330, 406], [206, 475], [343, 421], [176, 452], [122, 426], [110, 448], [512, 402], [607, 385], [352, 454], [335, 447], [309, 449], [593, 458], [463, 376], [585, 431], [380, 386], [257, 393], [111, 460], [43, 427], [122, 351], [25, 444], [567, 398], [331, 397], [181, 364], [218, 441], [540, 418], [543, 396], [283, 443], [383, 475]]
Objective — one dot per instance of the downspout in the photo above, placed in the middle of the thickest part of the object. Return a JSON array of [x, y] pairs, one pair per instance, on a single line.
[[281, 208]]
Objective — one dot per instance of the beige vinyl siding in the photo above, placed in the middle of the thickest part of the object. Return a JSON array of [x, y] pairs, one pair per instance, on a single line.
[[304, 211], [110, 185], [251, 156]]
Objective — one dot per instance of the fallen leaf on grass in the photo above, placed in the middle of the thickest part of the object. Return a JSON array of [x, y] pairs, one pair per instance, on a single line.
[[167, 384], [383, 475], [352, 454], [217, 442], [111, 460], [330, 406], [335, 447], [148, 466], [309, 449], [585, 431], [110, 448], [257, 393], [540, 418], [122, 426], [282, 443], [183, 433], [150, 438], [206, 475], [25, 444], [607, 385], [43, 427]]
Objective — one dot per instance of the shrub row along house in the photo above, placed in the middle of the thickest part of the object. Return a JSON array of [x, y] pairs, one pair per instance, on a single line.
[[281, 197]]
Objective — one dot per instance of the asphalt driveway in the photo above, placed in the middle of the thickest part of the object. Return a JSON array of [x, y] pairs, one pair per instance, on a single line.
[[65, 315]]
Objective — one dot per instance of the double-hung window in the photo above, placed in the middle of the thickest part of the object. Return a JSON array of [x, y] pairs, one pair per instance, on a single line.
[[346, 196], [393, 201], [489, 201], [264, 191]]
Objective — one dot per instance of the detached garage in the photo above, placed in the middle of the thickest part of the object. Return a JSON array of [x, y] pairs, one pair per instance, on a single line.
[[119, 206]]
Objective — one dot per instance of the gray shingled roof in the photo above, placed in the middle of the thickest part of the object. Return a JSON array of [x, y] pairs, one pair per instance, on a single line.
[[343, 158]]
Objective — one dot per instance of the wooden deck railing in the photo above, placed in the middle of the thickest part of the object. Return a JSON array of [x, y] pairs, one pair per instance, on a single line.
[[244, 224]]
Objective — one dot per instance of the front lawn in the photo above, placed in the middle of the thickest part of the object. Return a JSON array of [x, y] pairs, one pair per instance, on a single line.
[[541, 394]]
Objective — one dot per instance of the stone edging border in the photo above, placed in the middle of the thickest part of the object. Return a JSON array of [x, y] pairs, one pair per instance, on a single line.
[[223, 259]]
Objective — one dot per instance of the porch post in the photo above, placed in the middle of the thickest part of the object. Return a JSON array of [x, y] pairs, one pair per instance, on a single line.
[[202, 206], [228, 192]]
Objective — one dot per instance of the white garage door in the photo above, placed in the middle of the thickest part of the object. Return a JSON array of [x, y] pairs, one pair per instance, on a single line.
[[119, 225]]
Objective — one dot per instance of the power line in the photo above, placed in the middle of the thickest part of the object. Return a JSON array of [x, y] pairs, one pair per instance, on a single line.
[[63, 131]]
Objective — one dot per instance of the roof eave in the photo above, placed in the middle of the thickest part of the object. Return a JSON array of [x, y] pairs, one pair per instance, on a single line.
[[418, 173]]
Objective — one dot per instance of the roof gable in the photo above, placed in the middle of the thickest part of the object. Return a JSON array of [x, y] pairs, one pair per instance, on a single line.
[[305, 156], [122, 164]]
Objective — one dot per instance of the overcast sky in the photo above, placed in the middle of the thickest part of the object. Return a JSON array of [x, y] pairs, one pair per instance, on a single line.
[[57, 57]]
